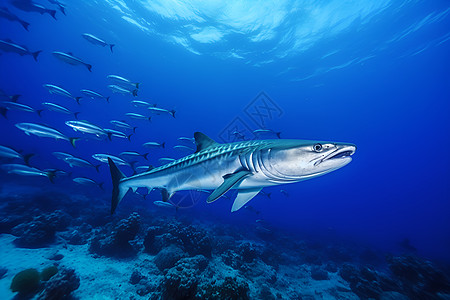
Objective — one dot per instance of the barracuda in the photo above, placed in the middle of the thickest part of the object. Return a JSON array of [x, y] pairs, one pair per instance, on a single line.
[[247, 166]]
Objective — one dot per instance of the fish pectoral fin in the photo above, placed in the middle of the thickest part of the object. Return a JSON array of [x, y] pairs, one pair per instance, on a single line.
[[166, 195], [243, 197], [230, 180]]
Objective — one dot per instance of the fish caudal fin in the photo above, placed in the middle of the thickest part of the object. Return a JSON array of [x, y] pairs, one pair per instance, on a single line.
[[3, 111], [135, 92], [35, 54], [75, 114], [78, 99], [73, 140], [25, 25], [26, 158], [97, 168], [129, 137], [137, 85], [107, 99], [111, 47], [89, 67], [117, 193], [172, 112], [52, 12], [51, 176], [39, 111]]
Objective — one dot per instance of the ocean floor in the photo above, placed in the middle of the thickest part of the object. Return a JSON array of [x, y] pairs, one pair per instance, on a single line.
[[149, 253]]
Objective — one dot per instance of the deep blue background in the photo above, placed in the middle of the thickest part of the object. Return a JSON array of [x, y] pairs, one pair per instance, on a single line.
[[393, 106]]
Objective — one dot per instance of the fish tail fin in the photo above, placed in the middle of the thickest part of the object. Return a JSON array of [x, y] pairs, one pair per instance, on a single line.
[[118, 192], [111, 47], [172, 112], [163, 144], [279, 135], [145, 156], [15, 97], [134, 129], [100, 185], [35, 54], [39, 112], [73, 140], [26, 158], [109, 135], [107, 99], [52, 12], [3, 111], [25, 25], [51, 176], [75, 114], [129, 137], [97, 168], [78, 99], [138, 84], [135, 92], [89, 67], [63, 10], [149, 119]]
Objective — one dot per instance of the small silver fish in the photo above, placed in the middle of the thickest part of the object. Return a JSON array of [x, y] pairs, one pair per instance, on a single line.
[[158, 111], [8, 152], [138, 116], [123, 124], [57, 90], [6, 14], [27, 171], [104, 159], [97, 41], [9, 46], [87, 181], [122, 90], [154, 145], [44, 131], [71, 59], [123, 81], [93, 95], [59, 108], [19, 106], [86, 127]]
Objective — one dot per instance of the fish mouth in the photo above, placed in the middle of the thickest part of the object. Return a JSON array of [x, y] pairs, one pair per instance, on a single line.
[[345, 151]]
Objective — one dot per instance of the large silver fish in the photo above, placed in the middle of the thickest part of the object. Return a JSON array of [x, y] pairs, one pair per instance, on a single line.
[[97, 41], [9, 46], [44, 131], [71, 60], [246, 166]]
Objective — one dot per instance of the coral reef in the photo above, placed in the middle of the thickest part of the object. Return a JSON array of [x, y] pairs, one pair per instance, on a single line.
[[117, 242], [61, 285]]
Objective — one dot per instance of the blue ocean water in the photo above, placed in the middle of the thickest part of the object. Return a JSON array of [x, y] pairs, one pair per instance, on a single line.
[[375, 74]]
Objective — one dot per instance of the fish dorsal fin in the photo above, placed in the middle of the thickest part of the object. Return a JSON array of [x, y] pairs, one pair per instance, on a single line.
[[229, 181], [203, 141], [243, 197]]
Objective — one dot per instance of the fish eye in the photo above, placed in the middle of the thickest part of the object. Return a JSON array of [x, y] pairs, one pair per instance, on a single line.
[[318, 147]]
